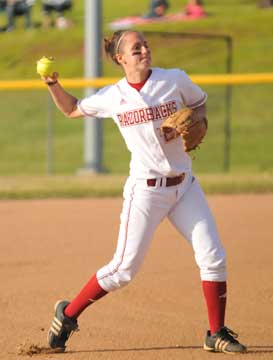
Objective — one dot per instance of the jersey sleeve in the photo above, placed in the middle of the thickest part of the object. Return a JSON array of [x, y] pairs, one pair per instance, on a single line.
[[97, 105], [192, 95]]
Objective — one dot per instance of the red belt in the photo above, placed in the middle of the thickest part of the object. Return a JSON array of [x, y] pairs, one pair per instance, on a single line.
[[170, 181]]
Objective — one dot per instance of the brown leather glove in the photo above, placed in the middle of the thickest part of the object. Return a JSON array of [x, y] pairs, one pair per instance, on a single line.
[[190, 128]]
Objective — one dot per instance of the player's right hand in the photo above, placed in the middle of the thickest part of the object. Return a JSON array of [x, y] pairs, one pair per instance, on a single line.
[[51, 79]]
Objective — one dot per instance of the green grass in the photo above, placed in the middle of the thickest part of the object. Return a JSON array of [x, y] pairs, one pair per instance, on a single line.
[[23, 124], [31, 187]]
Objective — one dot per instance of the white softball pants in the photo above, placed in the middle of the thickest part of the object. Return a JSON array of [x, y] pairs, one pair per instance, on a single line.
[[143, 209]]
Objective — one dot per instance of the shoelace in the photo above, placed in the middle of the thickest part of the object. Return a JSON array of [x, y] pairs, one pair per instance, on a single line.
[[231, 332], [72, 332]]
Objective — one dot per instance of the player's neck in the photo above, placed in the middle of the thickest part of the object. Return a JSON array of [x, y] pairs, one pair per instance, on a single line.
[[138, 77]]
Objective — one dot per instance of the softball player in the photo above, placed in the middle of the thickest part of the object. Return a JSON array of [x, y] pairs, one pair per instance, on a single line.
[[160, 184]]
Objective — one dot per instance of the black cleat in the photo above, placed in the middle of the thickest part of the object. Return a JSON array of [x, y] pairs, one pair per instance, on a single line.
[[61, 327], [224, 341]]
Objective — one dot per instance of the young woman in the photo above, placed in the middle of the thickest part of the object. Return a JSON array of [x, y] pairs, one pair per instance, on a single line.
[[160, 184]]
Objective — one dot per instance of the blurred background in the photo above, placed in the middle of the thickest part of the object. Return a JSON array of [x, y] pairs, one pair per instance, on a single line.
[[24, 113]]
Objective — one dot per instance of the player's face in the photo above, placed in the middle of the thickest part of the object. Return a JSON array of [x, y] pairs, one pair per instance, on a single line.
[[135, 54]]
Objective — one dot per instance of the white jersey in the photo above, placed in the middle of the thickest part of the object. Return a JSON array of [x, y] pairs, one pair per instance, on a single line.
[[139, 114]]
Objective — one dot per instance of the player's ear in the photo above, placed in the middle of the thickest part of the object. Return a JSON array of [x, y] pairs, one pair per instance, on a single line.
[[119, 59]]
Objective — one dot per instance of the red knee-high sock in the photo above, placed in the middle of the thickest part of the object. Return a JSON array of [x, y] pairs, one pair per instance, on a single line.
[[91, 292], [215, 295]]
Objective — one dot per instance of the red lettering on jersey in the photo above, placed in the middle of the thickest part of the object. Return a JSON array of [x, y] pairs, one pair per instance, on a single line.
[[157, 113], [169, 109], [163, 110], [125, 119], [149, 113], [129, 117], [142, 116], [174, 106], [135, 117]]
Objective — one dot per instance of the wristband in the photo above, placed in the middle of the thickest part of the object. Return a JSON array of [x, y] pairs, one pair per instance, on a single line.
[[52, 83]]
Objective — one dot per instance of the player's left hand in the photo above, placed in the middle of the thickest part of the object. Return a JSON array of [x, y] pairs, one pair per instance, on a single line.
[[188, 125]]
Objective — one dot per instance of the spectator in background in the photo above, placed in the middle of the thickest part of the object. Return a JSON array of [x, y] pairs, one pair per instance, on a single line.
[[2, 10], [18, 8], [158, 9], [3, 5], [265, 3], [53, 11], [195, 8]]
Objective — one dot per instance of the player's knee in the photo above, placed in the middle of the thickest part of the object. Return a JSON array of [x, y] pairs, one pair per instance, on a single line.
[[123, 277], [114, 276], [215, 271], [116, 280], [213, 268]]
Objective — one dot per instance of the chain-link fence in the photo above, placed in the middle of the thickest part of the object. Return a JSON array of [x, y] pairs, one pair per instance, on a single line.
[[35, 138]]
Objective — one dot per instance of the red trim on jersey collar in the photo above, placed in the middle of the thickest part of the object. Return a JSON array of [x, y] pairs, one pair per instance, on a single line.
[[139, 86]]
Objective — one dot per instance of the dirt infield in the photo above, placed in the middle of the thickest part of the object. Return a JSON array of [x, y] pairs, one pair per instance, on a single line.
[[50, 248]]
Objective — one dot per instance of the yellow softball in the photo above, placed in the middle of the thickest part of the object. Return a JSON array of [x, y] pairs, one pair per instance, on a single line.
[[46, 66]]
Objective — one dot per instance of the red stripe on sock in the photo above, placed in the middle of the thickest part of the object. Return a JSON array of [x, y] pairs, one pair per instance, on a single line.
[[216, 303], [91, 291]]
